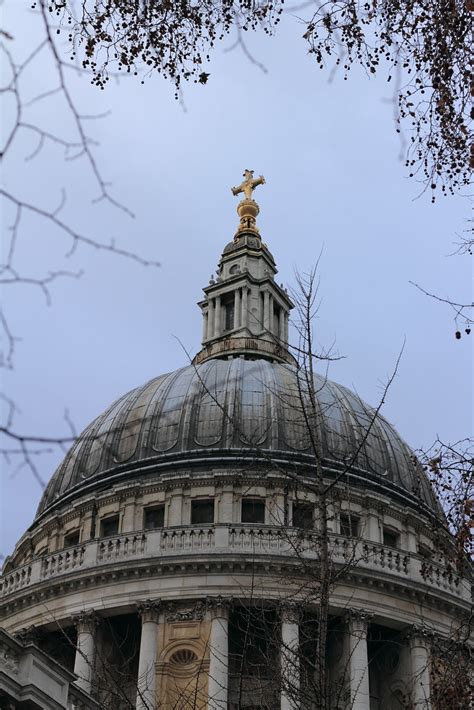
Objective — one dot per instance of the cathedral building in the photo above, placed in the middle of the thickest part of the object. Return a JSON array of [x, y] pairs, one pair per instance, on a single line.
[[181, 553]]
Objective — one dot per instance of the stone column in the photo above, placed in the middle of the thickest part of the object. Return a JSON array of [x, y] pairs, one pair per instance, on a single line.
[[237, 309], [266, 310], [218, 682], [281, 326], [205, 316], [149, 611], [217, 318], [245, 307], [84, 664], [418, 638], [358, 661], [210, 318], [290, 658]]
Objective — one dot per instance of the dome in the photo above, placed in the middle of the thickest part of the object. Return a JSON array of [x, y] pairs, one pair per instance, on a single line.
[[228, 409]]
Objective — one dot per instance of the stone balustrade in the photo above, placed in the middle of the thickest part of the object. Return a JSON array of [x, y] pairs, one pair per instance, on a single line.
[[233, 540]]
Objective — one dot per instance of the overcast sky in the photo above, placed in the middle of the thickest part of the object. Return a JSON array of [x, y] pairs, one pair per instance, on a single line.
[[329, 154]]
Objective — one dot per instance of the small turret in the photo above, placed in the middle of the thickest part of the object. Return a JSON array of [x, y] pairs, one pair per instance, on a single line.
[[245, 312]]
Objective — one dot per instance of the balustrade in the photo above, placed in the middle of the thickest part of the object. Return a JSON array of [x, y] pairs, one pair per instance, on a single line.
[[232, 539]]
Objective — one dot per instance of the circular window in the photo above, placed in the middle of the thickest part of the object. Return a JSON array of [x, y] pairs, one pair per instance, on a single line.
[[183, 657]]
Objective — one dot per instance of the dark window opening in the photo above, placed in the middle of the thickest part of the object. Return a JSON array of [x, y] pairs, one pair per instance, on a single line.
[[71, 539], [349, 525], [276, 320], [390, 538], [109, 526], [229, 314], [303, 515], [253, 511], [425, 552], [154, 517], [202, 511]]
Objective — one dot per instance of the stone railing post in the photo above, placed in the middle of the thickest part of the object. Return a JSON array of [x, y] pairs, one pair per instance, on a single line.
[[218, 682], [84, 664], [290, 657], [149, 612]]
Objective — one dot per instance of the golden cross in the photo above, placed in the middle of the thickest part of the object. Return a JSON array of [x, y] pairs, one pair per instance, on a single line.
[[248, 185]]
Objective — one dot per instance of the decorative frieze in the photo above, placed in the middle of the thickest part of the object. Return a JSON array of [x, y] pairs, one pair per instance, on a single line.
[[174, 614]]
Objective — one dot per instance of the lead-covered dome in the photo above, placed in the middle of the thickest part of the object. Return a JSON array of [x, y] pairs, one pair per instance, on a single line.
[[222, 410]]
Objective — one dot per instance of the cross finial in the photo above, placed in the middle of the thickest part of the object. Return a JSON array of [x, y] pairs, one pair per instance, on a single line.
[[248, 185]]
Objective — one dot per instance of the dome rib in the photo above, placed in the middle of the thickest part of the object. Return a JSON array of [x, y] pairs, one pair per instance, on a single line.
[[221, 407]]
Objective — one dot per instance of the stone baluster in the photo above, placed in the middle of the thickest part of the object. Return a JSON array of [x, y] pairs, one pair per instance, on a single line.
[[149, 611], [358, 663], [418, 637], [218, 684], [290, 657], [84, 664]]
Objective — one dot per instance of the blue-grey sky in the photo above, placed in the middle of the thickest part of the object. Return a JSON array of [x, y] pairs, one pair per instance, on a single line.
[[329, 154]]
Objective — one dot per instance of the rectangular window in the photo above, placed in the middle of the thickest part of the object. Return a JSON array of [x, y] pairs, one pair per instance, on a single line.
[[276, 320], [202, 511], [71, 539], [109, 526], [303, 515], [390, 538], [154, 518], [349, 525], [229, 313], [253, 511]]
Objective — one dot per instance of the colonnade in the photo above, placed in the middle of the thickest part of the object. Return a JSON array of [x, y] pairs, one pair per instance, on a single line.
[[213, 321], [218, 609]]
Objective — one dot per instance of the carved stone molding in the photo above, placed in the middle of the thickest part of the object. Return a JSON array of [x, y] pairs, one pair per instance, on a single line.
[[149, 609], [86, 620], [420, 632], [360, 616], [9, 658], [174, 614], [218, 606], [30, 634], [290, 611]]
